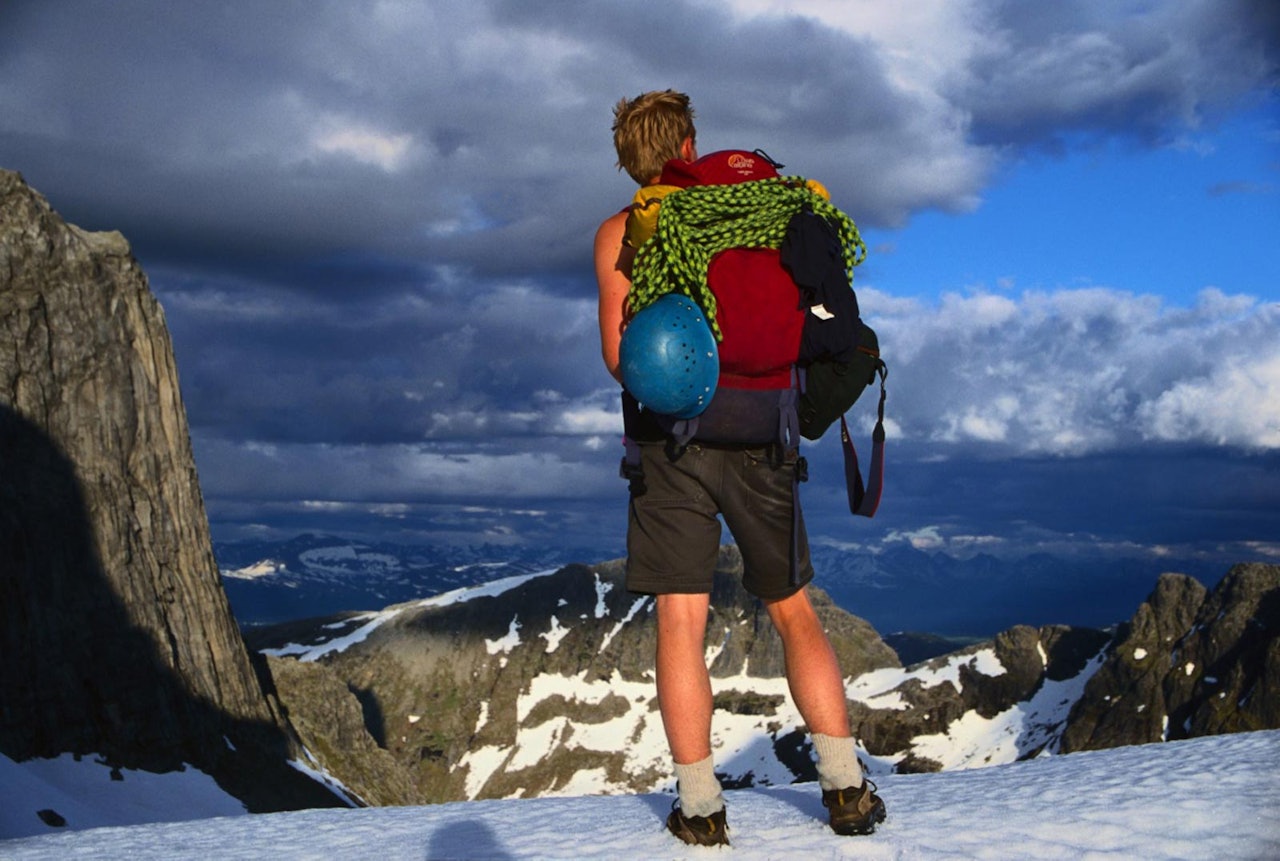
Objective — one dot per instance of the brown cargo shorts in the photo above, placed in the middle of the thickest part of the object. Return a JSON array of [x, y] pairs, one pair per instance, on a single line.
[[673, 532]]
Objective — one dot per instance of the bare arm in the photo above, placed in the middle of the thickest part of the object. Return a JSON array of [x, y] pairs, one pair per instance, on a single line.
[[613, 275]]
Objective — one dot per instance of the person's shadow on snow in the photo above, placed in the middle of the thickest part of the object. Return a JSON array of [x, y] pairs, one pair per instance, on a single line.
[[466, 840]]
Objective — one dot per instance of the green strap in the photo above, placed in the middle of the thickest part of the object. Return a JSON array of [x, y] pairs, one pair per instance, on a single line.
[[697, 223]]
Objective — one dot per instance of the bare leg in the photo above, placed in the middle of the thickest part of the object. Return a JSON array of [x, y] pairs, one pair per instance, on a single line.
[[684, 685], [813, 673]]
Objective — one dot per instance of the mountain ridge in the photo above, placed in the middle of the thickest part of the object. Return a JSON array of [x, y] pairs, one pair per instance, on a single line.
[[543, 684]]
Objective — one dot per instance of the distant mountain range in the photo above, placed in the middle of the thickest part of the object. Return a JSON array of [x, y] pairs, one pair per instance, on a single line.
[[318, 575], [897, 590]]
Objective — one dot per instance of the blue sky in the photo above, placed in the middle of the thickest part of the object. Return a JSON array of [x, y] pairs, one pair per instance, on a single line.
[[1169, 218], [369, 224]]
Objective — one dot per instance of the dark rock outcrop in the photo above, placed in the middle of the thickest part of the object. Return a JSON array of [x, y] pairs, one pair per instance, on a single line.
[[1189, 663], [333, 730], [990, 679], [116, 635]]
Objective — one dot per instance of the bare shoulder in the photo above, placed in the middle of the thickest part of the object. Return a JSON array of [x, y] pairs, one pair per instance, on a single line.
[[611, 230], [613, 275], [613, 259]]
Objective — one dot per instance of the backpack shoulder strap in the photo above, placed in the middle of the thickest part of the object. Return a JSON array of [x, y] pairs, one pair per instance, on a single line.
[[864, 499], [642, 215]]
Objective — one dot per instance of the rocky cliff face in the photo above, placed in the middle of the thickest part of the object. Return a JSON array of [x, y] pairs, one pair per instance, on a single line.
[[117, 637], [1188, 663]]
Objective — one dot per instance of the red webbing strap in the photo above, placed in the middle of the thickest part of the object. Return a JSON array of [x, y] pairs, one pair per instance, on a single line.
[[865, 499]]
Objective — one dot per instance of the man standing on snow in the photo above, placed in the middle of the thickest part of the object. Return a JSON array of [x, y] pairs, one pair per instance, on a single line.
[[673, 536]]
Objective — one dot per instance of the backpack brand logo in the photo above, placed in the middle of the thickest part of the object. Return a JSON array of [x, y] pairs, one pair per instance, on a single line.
[[739, 161]]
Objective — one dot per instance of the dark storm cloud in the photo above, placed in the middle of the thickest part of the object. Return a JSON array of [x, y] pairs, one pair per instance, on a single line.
[[259, 363], [289, 131], [1133, 69], [477, 134], [370, 225]]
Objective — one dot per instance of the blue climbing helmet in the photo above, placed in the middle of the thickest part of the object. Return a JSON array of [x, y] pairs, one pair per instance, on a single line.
[[669, 359]]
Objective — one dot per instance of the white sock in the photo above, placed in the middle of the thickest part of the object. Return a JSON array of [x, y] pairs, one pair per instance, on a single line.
[[838, 766], [699, 788]]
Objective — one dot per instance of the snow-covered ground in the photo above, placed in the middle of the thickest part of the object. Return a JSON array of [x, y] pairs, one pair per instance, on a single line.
[[1208, 798]]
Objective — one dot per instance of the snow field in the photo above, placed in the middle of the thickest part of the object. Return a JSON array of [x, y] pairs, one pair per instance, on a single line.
[[1207, 798]]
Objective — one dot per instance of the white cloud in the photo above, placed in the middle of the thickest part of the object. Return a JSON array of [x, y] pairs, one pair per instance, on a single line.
[[974, 424], [591, 419], [924, 538], [1237, 404], [926, 42], [1074, 372], [388, 152]]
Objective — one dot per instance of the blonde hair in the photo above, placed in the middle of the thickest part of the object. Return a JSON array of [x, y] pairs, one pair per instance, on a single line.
[[648, 131]]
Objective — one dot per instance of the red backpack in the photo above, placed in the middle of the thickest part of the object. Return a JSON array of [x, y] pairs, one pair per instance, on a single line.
[[760, 319]]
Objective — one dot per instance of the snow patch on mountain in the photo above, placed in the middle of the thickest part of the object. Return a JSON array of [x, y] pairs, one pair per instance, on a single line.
[[638, 605], [314, 652], [876, 688], [256, 571], [367, 623], [470, 593], [502, 645], [974, 741], [602, 591], [85, 792], [553, 636]]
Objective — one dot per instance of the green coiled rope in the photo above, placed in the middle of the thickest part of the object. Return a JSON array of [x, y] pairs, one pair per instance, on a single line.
[[697, 223]]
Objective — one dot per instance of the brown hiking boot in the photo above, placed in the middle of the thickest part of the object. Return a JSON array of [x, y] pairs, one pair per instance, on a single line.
[[699, 830], [855, 810]]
